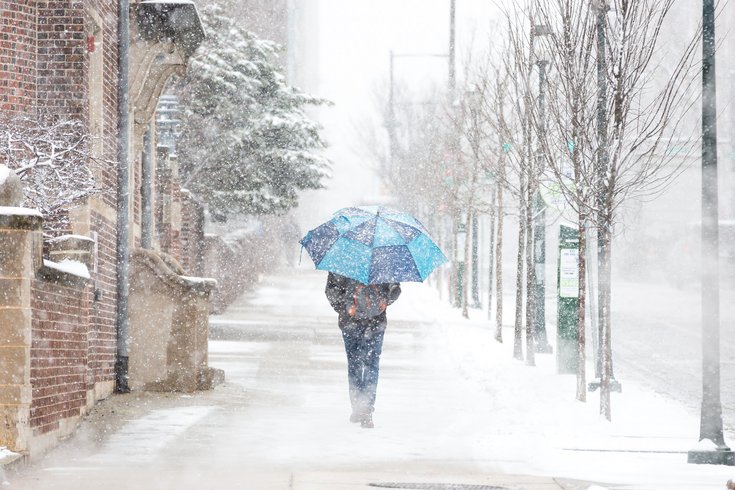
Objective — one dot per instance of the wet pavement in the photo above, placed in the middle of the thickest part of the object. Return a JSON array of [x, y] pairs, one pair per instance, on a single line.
[[280, 421]]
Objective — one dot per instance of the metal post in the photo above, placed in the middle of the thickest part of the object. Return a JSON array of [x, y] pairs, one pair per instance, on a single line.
[[452, 69], [539, 223], [123, 196], [711, 415], [391, 119], [603, 234]]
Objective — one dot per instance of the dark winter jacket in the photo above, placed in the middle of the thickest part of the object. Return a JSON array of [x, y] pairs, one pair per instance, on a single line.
[[340, 292]]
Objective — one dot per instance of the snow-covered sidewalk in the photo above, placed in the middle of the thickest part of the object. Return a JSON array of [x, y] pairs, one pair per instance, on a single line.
[[538, 427], [453, 407]]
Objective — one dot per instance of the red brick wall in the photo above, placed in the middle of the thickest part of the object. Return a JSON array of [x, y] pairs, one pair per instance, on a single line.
[[17, 56], [108, 179], [44, 67], [102, 338], [59, 353], [62, 87]]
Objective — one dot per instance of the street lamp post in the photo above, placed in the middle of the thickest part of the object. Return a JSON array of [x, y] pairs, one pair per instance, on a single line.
[[713, 449], [602, 163], [539, 211], [392, 124]]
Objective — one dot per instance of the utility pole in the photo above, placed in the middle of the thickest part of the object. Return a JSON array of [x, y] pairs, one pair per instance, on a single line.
[[539, 213], [452, 69], [603, 235], [123, 198], [460, 227], [710, 428], [391, 118]]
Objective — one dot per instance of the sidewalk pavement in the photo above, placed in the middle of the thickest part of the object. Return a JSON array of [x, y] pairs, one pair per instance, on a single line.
[[280, 421]]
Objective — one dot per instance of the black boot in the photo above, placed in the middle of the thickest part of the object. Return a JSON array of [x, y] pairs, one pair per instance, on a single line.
[[366, 421]]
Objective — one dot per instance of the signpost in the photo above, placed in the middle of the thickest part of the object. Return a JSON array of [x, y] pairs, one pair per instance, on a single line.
[[567, 300]]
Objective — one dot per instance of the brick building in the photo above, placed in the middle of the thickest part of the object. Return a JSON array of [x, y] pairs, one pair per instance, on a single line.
[[58, 327]]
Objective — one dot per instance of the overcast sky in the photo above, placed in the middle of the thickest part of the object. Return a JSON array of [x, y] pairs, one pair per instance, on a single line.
[[355, 40]]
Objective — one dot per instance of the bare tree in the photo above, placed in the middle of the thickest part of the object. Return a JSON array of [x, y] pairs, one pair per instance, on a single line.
[[618, 145], [642, 120], [51, 156], [515, 125], [567, 144]]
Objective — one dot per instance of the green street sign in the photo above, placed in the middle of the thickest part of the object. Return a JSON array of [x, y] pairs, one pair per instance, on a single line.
[[567, 300]]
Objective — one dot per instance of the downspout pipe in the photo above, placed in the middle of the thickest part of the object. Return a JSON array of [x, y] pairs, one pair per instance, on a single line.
[[123, 197]]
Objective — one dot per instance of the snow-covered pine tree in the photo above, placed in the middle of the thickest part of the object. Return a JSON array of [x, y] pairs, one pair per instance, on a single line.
[[246, 144]]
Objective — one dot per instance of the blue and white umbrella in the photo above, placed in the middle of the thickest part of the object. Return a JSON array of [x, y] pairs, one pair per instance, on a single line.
[[373, 245]]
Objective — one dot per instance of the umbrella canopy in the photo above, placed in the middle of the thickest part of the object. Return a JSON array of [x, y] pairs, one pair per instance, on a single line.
[[373, 245]]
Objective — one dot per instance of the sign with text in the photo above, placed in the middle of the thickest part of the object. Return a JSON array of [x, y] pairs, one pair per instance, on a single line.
[[568, 273]]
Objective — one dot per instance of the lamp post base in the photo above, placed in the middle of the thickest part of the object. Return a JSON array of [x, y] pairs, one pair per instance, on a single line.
[[544, 348], [615, 385], [721, 456]]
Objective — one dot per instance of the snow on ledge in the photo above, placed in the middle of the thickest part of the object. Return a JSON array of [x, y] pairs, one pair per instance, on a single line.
[[4, 174], [7, 456], [70, 237], [179, 2], [69, 266], [200, 280], [14, 211]]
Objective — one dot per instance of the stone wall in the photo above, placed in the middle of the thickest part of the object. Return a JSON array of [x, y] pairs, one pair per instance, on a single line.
[[169, 321], [20, 253], [192, 235]]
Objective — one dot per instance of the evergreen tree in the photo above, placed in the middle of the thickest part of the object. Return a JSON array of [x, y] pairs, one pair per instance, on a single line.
[[246, 145]]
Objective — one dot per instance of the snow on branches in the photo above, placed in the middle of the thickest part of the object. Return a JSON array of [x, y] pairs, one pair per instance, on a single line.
[[51, 156], [246, 145]]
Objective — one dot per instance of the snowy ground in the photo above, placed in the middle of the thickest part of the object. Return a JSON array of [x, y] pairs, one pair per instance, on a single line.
[[536, 419], [453, 406]]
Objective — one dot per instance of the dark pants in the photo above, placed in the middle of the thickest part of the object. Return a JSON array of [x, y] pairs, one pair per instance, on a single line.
[[363, 345]]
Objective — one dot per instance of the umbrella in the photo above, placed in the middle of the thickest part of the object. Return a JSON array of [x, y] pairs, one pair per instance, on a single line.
[[373, 245]]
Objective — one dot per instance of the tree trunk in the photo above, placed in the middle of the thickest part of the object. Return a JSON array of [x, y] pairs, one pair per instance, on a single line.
[[518, 326], [605, 327], [456, 301], [491, 257], [582, 296], [499, 268], [476, 303], [436, 227], [467, 266], [530, 270]]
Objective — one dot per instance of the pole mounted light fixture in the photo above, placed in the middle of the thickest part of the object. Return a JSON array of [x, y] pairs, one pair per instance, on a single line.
[[712, 448], [539, 208]]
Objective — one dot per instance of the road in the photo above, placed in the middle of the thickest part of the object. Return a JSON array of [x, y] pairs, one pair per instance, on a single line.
[[657, 340]]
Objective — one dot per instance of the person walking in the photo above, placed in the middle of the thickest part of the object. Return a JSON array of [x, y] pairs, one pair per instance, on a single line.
[[362, 320]]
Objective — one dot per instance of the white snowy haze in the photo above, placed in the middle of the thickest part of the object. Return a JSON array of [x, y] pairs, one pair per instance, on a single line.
[[351, 43]]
